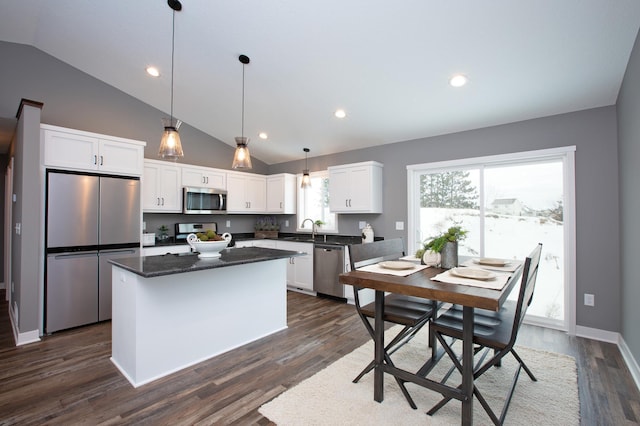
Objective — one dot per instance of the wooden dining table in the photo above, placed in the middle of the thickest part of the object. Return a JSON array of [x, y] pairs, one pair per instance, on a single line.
[[420, 284]]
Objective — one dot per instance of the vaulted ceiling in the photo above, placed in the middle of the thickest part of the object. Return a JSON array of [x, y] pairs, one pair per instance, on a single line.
[[386, 63]]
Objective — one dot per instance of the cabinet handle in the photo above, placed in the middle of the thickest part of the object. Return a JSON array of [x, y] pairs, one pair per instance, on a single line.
[[280, 204], [163, 201], [101, 160], [207, 178], [346, 203], [158, 203], [95, 159]]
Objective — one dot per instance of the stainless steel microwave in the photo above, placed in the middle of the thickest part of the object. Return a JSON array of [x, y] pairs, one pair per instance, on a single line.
[[204, 200]]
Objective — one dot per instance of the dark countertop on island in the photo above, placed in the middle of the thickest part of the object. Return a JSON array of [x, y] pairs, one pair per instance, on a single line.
[[168, 264]]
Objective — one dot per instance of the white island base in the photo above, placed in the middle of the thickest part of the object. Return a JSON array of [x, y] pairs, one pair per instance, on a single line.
[[163, 324]]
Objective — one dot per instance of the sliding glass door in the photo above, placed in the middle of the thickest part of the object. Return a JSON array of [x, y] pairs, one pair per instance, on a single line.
[[508, 204]]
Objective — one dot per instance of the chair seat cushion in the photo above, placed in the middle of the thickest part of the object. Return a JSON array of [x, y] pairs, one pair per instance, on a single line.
[[401, 309], [492, 329]]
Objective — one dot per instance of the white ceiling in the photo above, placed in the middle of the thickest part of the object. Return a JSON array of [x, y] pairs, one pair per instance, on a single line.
[[385, 62]]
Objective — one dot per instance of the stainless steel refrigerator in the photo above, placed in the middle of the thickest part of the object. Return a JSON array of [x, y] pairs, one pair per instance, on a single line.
[[90, 219]]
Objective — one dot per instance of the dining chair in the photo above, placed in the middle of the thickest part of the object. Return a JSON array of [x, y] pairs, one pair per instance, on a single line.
[[409, 311], [492, 331]]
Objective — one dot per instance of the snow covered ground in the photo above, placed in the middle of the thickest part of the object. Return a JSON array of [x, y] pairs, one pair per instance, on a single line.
[[511, 237]]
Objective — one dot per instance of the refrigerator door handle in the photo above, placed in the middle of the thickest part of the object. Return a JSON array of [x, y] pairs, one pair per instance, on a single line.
[[75, 254]]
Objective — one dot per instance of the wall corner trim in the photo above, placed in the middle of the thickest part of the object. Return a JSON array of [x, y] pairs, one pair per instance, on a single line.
[[27, 102], [23, 338]]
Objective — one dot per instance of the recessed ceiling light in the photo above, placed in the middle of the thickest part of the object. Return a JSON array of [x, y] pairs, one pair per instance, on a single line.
[[458, 80], [153, 71], [340, 113], [263, 135]]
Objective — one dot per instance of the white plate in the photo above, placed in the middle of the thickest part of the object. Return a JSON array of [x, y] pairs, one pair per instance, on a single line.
[[475, 274], [397, 264], [490, 262]]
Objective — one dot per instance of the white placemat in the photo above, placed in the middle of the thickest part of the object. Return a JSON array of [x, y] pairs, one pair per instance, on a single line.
[[494, 284], [397, 272], [511, 266]]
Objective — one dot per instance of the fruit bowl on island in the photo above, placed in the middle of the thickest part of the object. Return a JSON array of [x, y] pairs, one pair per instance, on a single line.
[[208, 246]]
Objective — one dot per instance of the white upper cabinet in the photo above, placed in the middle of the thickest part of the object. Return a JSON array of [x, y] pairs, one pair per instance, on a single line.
[[246, 193], [78, 150], [203, 177], [356, 188], [281, 193], [161, 187]]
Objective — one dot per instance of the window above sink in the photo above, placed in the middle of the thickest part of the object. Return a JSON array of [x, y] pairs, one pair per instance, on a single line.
[[313, 203]]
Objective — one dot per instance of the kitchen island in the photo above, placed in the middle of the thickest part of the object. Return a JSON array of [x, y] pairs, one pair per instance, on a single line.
[[173, 311]]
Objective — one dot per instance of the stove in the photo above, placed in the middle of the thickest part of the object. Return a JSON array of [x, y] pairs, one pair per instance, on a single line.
[[184, 229]]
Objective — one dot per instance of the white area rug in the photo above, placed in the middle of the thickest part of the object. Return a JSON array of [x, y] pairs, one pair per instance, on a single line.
[[330, 398]]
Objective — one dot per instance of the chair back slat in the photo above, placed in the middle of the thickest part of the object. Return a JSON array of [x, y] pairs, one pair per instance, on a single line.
[[527, 286], [367, 254]]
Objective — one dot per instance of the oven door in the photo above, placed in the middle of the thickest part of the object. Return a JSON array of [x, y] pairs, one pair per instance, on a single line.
[[204, 201]]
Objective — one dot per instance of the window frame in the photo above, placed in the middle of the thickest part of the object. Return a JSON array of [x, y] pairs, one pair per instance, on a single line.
[[567, 155], [300, 201]]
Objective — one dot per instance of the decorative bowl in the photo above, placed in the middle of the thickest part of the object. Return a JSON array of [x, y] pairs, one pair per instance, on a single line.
[[208, 249]]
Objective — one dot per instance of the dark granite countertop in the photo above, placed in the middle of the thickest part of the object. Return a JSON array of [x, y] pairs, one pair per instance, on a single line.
[[333, 239], [168, 264]]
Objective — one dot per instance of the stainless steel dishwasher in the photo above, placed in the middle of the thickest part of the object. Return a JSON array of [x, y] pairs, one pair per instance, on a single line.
[[328, 263]]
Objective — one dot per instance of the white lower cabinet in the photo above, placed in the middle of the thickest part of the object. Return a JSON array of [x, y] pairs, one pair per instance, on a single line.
[[256, 243], [160, 250], [299, 269]]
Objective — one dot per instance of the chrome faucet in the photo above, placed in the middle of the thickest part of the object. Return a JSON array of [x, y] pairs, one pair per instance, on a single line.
[[313, 227]]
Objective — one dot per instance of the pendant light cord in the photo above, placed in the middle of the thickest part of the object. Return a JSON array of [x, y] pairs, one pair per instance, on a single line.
[[173, 43], [242, 128]]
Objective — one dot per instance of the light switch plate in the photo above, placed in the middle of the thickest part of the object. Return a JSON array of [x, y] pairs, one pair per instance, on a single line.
[[228, 224], [399, 226], [362, 224], [589, 299]]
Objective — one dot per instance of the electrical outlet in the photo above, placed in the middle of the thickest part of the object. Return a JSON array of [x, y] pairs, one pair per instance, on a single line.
[[228, 224], [589, 299], [399, 226], [286, 223], [362, 224]]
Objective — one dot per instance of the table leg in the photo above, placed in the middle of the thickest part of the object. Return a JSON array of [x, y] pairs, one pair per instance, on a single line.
[[467, 364], [378, 374]]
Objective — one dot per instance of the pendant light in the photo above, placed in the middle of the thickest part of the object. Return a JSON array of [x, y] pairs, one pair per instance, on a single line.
[[242, 158], [306, 179], [170, 145]]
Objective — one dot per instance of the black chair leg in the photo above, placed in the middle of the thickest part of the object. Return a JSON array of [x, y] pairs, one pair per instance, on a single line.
[[365, 371]]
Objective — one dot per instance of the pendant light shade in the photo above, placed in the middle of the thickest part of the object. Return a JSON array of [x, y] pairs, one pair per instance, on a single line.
[[306, 179], [242, 158], [170, 145]]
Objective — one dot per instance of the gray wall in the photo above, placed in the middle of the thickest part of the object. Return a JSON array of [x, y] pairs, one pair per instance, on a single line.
[[76, 100], [629, 157], [593, 132], [73, 99]]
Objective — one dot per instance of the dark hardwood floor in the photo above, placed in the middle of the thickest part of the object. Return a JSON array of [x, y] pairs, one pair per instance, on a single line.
[[67, 378]]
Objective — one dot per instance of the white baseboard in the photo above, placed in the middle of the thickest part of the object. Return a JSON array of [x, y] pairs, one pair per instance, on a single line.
[[22, 338], [597, 334], [630, 361]]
